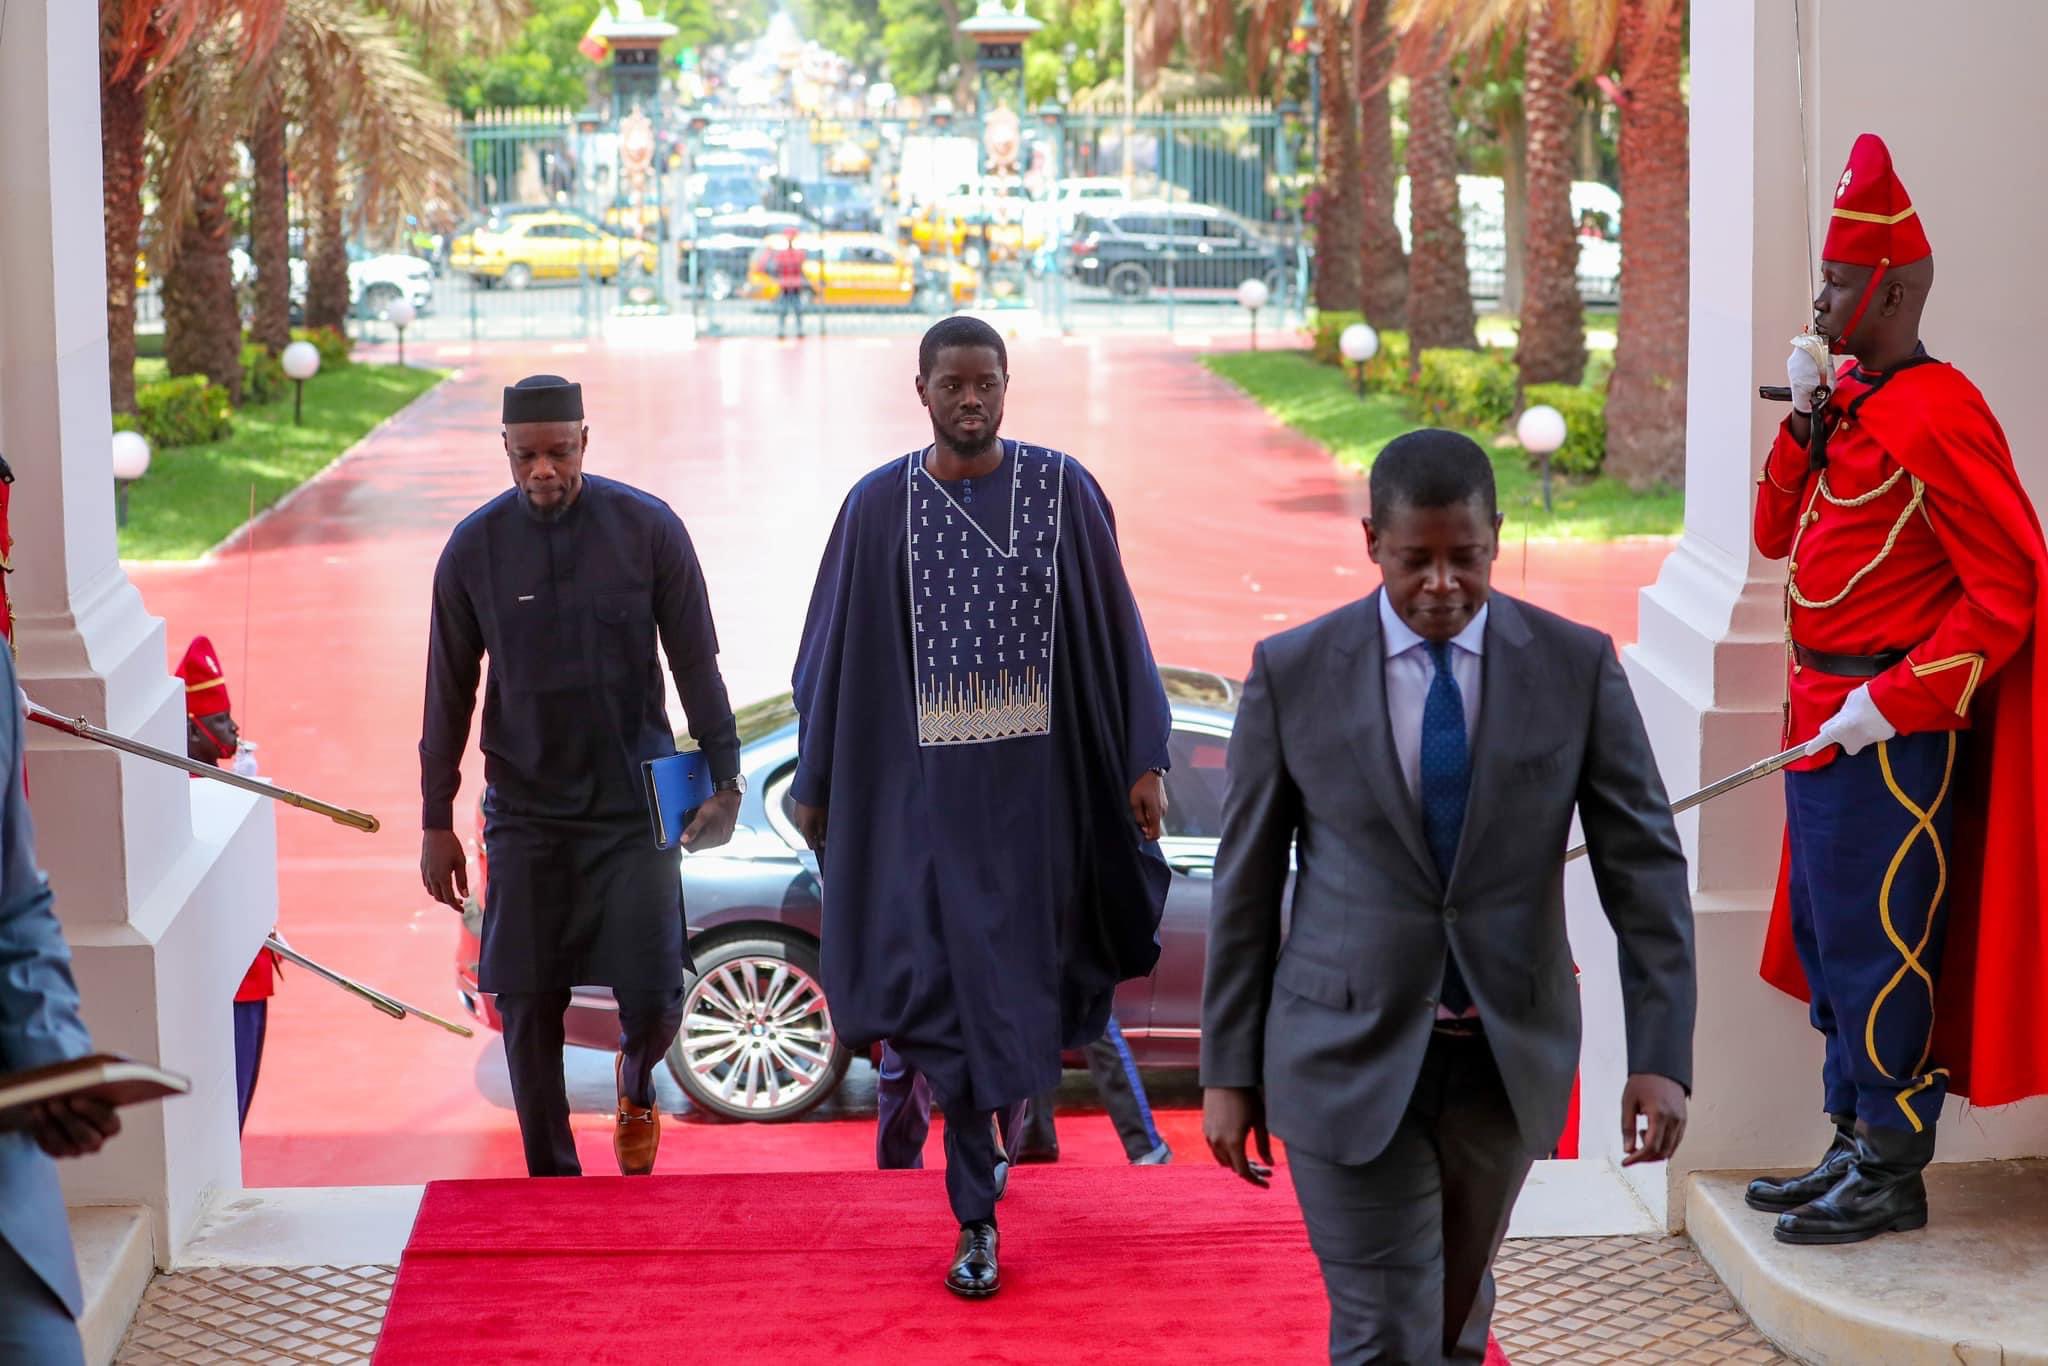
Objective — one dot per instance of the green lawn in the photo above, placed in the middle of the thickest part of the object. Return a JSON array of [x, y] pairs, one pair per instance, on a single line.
[[194, 496], [1319, 402]]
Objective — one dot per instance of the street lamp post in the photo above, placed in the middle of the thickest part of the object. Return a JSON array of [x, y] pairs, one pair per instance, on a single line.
[[131, 462], [401, 315], [301, 361], [1541, 430], [1253, 294], [1359, 344]]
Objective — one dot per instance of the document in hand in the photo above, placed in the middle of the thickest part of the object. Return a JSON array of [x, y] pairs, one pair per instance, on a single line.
[[677, 785], [104, 1076]]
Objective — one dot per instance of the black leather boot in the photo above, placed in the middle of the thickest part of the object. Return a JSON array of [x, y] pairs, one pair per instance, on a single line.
[[1882, 1192], [973, 1273], [1776, 1194]]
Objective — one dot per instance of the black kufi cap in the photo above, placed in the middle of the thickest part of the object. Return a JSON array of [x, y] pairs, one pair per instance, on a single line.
[[543, 398]]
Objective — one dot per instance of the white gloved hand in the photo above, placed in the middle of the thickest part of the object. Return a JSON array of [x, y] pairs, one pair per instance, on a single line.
[[1804, 374], [1856, 727]]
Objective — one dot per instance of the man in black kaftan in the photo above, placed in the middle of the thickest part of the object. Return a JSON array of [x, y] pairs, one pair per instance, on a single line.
[[984, 729], [567, 581]]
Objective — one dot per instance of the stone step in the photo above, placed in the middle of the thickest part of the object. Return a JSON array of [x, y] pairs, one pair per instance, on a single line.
[[1970, 1288], [116, 1258]]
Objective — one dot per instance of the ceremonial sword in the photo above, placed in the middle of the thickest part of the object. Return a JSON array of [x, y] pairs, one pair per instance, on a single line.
[[390, 1005], [1762, 768], [82, 729]]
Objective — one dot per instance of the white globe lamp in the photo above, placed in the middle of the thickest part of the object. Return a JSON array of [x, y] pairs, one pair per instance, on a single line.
[[1254, 295], [131, 462], [401, 315], [301, 361], [1359, 344], [1541, 430]]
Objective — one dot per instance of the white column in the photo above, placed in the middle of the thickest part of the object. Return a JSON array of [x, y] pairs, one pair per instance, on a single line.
[[164, 889], [1938, 85]]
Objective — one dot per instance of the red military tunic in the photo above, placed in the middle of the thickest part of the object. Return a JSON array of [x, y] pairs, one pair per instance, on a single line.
[[1880, 563], [1919, 537]]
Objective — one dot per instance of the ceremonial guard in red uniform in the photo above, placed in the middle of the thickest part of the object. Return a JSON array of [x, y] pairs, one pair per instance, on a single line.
[[212, 737], [1910, 904]]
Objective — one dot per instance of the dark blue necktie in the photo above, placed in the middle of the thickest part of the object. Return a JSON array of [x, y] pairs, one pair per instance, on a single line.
[[1446, 777]]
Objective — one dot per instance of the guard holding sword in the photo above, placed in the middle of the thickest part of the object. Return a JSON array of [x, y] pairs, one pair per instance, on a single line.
[[1913, 878]]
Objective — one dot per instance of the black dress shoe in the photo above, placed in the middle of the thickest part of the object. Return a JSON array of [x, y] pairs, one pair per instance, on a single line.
[[973, 1273], [1775, 1194], [1882, 1192]]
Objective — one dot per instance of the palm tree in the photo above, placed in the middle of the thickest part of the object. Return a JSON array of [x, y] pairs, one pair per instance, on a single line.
[[1385, 262], [1340, 203], [139, 39], [1646, 395], [1439, 280], [193, 110], [1552, 345]]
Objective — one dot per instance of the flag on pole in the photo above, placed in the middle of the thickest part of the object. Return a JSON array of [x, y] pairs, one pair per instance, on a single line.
[[593, 44]]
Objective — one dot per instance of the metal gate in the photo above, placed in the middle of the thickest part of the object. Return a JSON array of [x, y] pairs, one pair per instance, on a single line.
[[1106, 221]]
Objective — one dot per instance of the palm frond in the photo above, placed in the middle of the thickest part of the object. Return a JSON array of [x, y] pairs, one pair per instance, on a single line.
[[198, 105], [469, 25], [151, 34]]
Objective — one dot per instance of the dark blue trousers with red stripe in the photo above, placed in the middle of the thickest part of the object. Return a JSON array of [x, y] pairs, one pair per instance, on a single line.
[[1869, 899]]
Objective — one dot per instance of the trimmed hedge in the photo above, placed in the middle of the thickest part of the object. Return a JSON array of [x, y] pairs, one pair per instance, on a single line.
[[333, 346], [187, 411], [1466, 389], [1386, 372], [1585, 424], [262, 374]]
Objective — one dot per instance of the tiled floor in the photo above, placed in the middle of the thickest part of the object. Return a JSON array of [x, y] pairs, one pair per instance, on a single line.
[[1562, 1300]]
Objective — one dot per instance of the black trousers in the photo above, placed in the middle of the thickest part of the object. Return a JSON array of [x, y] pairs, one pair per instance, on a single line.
[[1407, 1240], [903, 1118], [534, 1033]]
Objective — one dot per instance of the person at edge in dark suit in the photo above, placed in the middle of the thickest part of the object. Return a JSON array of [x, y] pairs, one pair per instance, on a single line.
[[1414, 1038]]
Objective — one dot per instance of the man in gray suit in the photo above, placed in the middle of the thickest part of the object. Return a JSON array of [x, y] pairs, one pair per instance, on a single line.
[[40, 1299], [1414, 1037]]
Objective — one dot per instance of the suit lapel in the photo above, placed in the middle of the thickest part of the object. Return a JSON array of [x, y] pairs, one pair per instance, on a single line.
[[1357, 687], [1508, 685]]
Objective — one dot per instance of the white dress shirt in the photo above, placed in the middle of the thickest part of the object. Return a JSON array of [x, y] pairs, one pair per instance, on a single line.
[[1409, 675]]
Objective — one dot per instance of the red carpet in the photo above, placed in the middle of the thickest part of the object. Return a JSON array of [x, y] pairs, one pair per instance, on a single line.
[[1180, 1263]]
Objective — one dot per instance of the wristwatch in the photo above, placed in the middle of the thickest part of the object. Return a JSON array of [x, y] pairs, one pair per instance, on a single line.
[[736, 783]]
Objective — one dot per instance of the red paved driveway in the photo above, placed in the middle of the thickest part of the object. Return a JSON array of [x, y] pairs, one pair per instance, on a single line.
[[1232, 528]]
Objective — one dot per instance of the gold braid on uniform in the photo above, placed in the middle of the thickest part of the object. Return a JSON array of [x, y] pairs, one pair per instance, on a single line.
[[1892, 539]]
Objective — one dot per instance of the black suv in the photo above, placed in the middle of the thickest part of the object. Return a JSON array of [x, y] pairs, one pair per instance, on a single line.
[[1133, 249]]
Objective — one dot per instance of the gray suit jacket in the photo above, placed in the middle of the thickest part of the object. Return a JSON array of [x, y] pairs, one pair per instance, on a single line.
[[1333, 1023], [39, 1021]]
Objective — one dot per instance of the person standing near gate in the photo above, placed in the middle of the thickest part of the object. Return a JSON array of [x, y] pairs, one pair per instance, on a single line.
[[1414, 1039], [790, 284], [568, 581]]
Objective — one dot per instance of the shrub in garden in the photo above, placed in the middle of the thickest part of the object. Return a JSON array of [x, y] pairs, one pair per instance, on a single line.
[[333, 346], [1458, 388], [1585, 425], [187, 411], [262, 374], [1386, 372]]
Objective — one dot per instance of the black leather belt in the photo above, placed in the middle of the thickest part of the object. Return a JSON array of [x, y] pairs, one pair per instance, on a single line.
[[1846, 666]]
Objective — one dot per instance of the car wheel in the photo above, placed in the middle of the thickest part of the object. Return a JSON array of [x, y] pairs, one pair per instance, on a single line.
[[377, 300], [1130, 281], [757, 1041], [719, 285], [518, 275]]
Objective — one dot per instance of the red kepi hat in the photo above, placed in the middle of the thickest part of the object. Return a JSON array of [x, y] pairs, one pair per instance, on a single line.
[[206, 687], [1874, 222]]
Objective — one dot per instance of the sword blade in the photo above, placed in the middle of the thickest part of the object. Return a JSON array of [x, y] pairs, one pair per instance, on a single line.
[[390, 1005], [1762, 768]]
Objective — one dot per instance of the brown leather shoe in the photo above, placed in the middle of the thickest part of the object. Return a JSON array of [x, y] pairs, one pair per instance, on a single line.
[[636, 1131]]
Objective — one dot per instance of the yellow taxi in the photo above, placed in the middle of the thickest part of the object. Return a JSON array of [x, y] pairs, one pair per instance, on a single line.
[[516, 251], [651, 219], [863, 270], [849, 159], [954, 224]]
